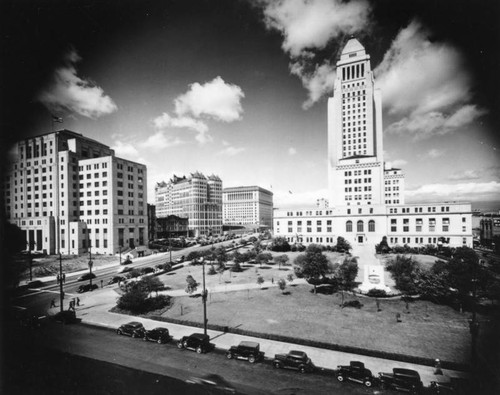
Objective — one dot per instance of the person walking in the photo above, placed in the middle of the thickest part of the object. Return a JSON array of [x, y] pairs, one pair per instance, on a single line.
[[52, 303], [78, 301]]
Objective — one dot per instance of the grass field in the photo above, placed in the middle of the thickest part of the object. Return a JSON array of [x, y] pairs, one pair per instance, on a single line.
[[427, 330]]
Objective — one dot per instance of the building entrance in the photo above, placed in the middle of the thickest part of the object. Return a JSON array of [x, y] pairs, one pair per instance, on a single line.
[[360, 239]]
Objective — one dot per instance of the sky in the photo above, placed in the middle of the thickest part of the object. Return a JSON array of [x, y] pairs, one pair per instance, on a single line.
[[239, 88]]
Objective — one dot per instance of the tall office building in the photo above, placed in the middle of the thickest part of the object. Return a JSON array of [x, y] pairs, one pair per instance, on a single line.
[[250, 206], [69, 193], [196, 197], [366, 198], [355, 141]]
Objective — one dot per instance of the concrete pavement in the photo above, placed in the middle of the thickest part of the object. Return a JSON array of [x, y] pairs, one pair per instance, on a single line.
[[94, 310]]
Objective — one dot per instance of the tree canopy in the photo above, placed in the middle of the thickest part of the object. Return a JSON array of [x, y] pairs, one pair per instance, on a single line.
[[313, 265]]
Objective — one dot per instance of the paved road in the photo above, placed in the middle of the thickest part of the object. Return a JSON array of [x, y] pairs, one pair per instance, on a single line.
[[164, 360]]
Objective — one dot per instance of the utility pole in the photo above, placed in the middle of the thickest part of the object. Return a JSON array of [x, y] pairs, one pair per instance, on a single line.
[[204, 301], [60, 278], [170, 247], [90, 265]]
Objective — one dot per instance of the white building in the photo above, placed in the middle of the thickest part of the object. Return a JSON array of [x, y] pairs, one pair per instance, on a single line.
[[63, 190], [367, 199], [196, 197], [247, 205]]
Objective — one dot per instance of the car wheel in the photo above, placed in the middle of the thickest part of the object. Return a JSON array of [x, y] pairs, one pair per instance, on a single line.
[[368, 383], [134, 335], [251, 359], [180, 345], [340, 378], [302, 369], [119, 332], [276, 365], [159, 341], [199, 350], [229, 355]]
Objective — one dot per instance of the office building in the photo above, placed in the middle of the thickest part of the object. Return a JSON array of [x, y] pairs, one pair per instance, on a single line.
[[366, 197], [250, 206], [71, 194], [195, 197]]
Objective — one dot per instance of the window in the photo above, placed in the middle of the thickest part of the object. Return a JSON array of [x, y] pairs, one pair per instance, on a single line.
[[360, 226], [348, 226], [371, 226]]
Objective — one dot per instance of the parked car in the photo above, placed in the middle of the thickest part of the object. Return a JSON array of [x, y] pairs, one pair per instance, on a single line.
[[86, 276], [297, 360], [440, 387], [116, 279], [246, 350], [402, 380], [159, 335], [133, 329], [124, 269], [66, 317], [356, 372], [180, 259], [198, 342], [212, 382], [86, 288]]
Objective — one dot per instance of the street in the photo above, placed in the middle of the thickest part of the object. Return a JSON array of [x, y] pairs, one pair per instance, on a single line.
[[80, 359]]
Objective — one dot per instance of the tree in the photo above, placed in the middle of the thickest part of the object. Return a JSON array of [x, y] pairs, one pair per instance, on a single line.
[[238, 257], [151, 284], [289, 277], [257, 247], [191, 285], [281, 260], [263, 257], [313, 265], [260, 280], [347, 272], [405, 272], [342, 245], [236, 267], [133, 299], [282, 284], [383, 247], [280, 244], [220, 255]]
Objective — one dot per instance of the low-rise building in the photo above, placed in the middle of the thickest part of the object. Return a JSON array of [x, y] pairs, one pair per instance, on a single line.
[[248, 206]]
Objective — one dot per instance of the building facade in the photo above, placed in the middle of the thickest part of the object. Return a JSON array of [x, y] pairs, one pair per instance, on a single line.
[[195, 197], [366, 196], [248, 206], [70, 194]]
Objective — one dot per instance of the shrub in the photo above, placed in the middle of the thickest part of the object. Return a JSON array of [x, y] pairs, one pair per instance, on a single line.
[[376, 293], [212, 270], [236, 267]]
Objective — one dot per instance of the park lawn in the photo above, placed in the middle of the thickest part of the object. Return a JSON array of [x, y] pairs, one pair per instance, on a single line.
[[428, 330]]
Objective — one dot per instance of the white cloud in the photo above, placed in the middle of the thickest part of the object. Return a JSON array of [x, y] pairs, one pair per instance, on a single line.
[[284, 199], [426, 82], [311, 24], [231, 151], [318, 82], [395, 164], [465, 175], [292, 151], [71, 93], [125, 149], [165, 121], [464, 191], [435, 153], [160, 140], [215, 99]]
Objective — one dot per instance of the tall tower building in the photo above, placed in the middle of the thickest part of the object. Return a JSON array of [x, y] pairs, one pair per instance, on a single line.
[[355, 145]]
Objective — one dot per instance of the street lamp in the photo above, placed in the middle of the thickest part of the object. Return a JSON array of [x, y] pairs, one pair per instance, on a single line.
[[60, 278], [30, 258]]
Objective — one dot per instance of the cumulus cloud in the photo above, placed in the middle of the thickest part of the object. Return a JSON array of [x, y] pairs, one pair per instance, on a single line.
[[308, 26], [160, 140], [292, 151], [215, 99], [311, 24], [318, 82], [125, 149], [427, 83], [435, 153], [69, 92]]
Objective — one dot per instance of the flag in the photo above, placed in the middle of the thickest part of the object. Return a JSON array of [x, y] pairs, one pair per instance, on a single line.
[[290, 192], [57, 119]]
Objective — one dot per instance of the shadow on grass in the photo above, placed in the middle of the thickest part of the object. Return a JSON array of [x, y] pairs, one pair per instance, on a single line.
[[264, 267], [170, 273], [325, 290], [286, 293], [195, 296]]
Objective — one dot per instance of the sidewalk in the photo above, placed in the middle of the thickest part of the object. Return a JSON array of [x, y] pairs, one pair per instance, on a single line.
[[94, 310]]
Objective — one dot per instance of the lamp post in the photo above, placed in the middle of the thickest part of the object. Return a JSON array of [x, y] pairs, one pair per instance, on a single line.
[[30, 258], [60, 279], [204, 301]]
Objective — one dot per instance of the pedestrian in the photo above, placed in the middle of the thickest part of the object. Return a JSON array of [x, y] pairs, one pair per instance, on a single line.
[[78, 301], [64, 278], [101, 283], [437, 366], [52, 303], [70, 305], [272, 280]]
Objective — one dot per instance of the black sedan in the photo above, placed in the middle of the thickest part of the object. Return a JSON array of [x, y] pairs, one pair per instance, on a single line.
[[86, 287], [133, 329], [159, 335], [86, 276], [116, 279]]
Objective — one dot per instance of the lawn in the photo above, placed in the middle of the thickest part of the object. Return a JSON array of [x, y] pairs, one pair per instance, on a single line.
[[427, 330]]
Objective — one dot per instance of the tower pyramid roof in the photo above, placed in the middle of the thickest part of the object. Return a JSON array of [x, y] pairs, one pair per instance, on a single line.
[[353, 45]]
